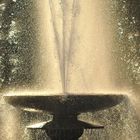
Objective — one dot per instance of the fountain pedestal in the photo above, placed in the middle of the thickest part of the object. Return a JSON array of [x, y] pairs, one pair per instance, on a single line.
[[64, 128], [65, 109]]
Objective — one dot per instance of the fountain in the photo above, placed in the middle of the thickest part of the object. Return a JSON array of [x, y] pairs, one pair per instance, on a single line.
[[71, 74], [64, 109]]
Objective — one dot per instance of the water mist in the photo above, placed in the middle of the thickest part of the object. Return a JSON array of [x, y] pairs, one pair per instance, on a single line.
[[80, 48]]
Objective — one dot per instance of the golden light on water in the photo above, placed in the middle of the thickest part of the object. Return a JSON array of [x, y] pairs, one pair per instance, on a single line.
[[50, 93], [75, 56], [10, 128]]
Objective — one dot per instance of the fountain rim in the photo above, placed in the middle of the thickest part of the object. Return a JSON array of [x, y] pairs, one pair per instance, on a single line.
[[66, 94], [63, 103]]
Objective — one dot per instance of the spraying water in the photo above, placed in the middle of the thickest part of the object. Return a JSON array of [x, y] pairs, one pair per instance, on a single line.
[[75, 43], [74, 56]]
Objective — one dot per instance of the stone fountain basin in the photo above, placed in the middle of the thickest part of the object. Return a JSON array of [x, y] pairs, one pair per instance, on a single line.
[[64, 104]]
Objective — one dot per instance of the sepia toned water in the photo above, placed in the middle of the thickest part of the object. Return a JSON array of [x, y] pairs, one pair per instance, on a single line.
[[75, 56], [73, 46]]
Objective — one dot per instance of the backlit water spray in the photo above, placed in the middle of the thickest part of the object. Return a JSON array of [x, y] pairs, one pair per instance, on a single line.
[[75, 56], [81, 49]]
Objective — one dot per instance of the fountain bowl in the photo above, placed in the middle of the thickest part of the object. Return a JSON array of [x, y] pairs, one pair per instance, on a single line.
[[69, 103], [64, 108]]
